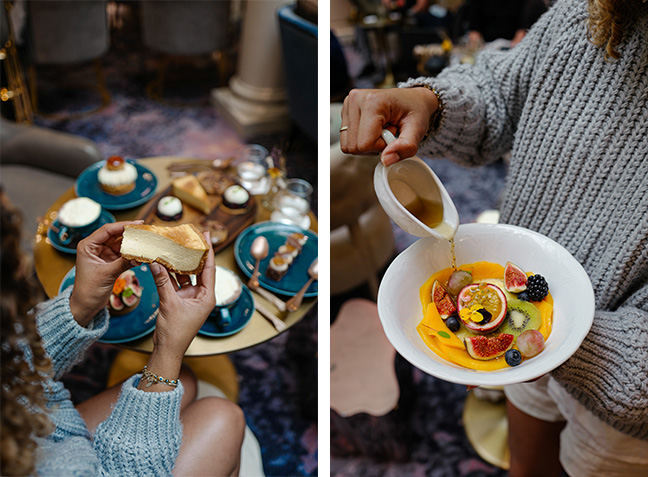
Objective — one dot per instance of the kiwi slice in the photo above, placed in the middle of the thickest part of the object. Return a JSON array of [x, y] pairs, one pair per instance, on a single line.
[[520, 316]]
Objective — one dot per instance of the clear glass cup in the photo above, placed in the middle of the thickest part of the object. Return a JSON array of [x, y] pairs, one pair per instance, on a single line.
[[252, 168], [292, 204]]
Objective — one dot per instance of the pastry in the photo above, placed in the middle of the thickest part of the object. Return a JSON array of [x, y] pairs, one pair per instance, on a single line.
[[285, 255], [214, 182], [189, 191], [278, 266], [236, 198], [217, 230], [117, 177], [169, 208], [182, 249], [126, 293]]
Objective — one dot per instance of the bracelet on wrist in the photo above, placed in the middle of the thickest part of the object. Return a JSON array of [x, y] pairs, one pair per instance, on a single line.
[[435, 119], [153, 378]]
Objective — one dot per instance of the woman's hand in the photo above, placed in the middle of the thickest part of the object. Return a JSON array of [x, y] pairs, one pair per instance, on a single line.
[[182, 310], [98, 265], [404, 111]]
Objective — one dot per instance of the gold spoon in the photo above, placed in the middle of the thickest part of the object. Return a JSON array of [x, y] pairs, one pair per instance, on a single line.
[[296, 300], [259, 250]]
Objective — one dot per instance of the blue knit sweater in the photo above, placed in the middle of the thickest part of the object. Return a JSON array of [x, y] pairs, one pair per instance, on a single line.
[[141, 436]]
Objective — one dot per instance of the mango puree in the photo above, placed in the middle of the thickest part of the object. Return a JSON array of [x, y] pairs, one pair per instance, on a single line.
[[444, 342]]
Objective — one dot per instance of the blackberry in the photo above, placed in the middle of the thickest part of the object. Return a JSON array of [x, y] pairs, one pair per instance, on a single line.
[[537, 287]]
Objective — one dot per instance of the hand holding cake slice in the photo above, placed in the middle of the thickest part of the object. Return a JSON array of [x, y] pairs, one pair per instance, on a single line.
[[182, 249]]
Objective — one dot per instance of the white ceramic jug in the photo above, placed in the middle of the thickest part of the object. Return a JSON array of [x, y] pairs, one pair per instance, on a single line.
[[413, 177]]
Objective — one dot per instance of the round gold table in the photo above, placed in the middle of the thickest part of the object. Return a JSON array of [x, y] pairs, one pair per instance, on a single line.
[[52, 265]]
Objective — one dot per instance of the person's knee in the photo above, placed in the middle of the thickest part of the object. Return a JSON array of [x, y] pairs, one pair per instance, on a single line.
[[225, 415]]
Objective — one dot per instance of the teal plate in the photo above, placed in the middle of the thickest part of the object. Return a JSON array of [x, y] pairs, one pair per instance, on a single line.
[[87, 185], [276, 234], [140, 321], [241, 313], [105, 218]]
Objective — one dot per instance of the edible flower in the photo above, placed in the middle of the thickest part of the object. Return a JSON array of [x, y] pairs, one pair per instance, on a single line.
[[475, 313]]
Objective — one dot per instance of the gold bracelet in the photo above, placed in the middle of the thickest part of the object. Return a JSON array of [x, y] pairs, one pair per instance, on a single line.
[[153, 378], [435, 119]]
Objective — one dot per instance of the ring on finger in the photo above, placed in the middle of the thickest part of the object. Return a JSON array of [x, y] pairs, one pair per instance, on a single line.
[[344, 128]]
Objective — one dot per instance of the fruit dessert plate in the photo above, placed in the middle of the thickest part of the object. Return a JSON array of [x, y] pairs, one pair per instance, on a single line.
[[400, 310]]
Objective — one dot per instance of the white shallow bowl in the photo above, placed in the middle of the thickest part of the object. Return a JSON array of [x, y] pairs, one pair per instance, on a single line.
[[400, 310]]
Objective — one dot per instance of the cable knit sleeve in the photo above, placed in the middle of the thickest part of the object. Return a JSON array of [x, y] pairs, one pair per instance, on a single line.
[[608, 373], [64, 340], [143, 434], [484, 102]]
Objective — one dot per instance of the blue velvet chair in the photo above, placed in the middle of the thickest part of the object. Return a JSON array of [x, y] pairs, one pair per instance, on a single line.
[[299, 46]]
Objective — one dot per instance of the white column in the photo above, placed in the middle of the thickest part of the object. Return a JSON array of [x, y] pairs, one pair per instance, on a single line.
[[255, 100]]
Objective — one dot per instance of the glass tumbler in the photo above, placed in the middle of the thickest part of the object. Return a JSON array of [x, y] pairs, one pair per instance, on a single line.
[[293, 203], [252, 168]]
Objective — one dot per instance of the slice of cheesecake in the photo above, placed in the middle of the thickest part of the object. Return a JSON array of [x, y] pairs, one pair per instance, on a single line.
[[182, 249], [188, 190]]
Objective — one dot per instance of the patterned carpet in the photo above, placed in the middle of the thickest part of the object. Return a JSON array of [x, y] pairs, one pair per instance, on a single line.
[[278, 381]]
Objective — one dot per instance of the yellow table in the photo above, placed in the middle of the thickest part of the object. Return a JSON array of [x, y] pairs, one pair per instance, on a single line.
[[52, 266]]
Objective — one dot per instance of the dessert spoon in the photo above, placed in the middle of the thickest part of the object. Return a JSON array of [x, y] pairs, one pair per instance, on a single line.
[[296, 300], [259, 250]]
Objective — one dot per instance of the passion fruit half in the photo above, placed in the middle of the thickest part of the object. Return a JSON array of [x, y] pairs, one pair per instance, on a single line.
[[474, 298]]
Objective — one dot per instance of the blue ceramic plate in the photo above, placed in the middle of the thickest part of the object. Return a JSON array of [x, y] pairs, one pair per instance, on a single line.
[[241, 313], [105, 218], [139, 322], [87, 185], [276, 234]]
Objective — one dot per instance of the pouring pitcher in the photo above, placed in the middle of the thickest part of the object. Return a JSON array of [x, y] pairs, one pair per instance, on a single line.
[[414, 197]]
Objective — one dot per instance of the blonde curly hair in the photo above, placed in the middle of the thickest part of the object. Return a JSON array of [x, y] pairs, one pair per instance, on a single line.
[[23, 401], [608, 21]]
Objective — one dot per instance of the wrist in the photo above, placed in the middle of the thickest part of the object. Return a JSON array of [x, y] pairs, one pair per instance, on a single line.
[[162, 365], [434, 104], [81, 311]]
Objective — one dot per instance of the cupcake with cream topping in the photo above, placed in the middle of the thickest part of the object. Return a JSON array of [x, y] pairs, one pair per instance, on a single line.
[[117, 177]]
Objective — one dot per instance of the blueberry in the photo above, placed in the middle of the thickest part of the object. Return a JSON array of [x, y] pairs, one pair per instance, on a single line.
[[453, 323], [524, 296], [513, 357]]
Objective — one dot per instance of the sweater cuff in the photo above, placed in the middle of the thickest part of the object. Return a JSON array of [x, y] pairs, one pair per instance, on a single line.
[[64, 340], [143, 432], [461, 123]]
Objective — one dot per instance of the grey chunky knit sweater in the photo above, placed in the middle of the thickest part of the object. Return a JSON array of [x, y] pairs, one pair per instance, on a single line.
[[142, 435], [577, 126]]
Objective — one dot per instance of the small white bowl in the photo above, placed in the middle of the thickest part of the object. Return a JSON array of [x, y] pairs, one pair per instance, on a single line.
[[400, 310]]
